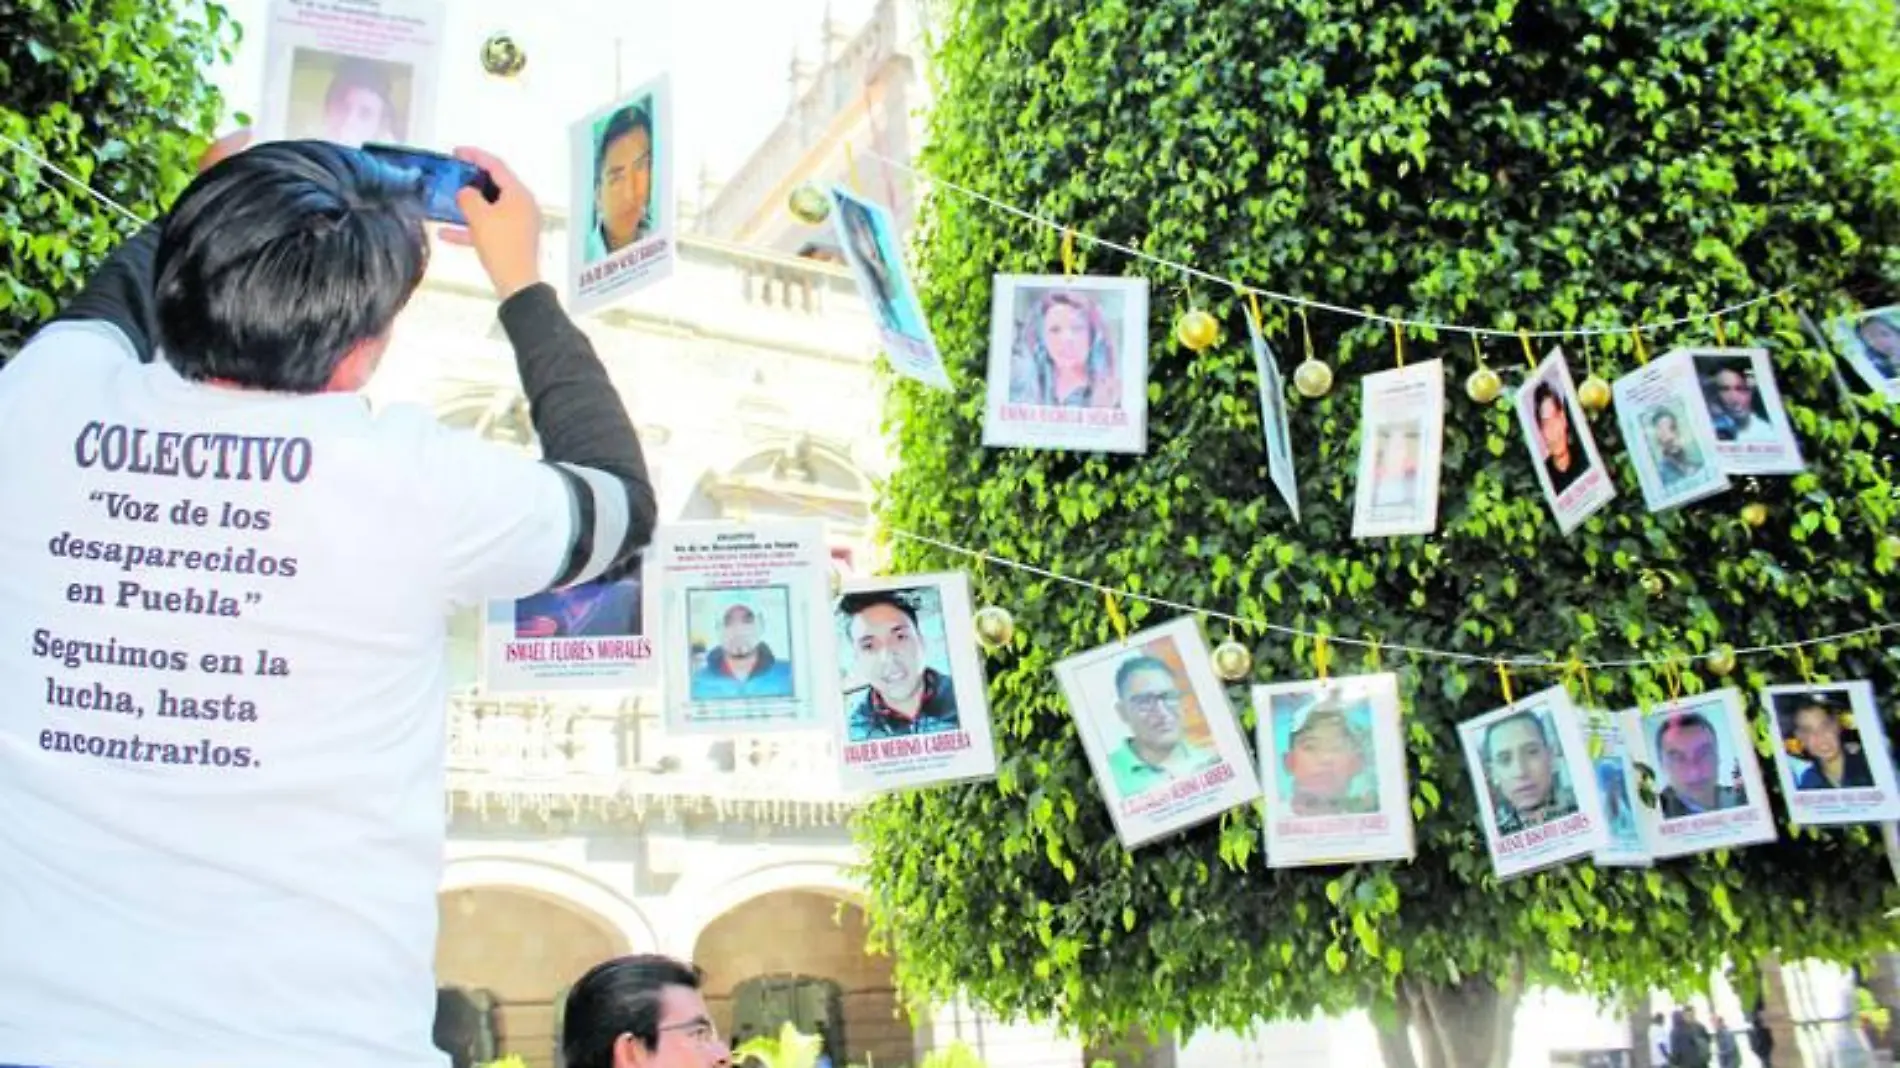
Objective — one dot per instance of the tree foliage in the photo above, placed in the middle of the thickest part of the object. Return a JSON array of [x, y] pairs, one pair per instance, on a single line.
[[117, 94], [1505, 164]]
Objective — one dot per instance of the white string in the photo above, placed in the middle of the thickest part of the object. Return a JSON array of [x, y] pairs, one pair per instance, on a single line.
[[56, 169], [1288, 298], [1516, 660]]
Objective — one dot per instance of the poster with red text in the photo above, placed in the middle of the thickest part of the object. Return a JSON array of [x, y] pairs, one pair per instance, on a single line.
[[1068, 363], [1536, 786], [1708, 784], [352, 71]]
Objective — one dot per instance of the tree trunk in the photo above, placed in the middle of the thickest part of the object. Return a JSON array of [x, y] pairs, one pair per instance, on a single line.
[[1467, 1025], [1395, 1037], [1132, 1050]]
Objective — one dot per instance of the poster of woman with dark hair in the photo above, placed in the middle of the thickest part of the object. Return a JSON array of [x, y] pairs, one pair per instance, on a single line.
[[872, 248], [1068, 363]]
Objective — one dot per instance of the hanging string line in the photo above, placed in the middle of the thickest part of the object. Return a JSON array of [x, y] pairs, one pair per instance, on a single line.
[[1304, 302], [56, 169], [1514, 660]]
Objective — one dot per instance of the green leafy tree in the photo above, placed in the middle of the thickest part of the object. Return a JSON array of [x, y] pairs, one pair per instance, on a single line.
[[117, 93], [1511, 165]]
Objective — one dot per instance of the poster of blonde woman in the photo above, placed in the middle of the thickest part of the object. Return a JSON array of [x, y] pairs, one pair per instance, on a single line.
[[1832, 753], [1068, 363], [1402, 433], [1160, 735], [1870, 342], [365, 72]]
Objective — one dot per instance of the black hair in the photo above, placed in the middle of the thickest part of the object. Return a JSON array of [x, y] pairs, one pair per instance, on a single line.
[[1136, 664], [624, 122], [1545, 391], [278, 261], [852, 603], [1683, 721], [1656, 417], [1536, 721], [619, 997]]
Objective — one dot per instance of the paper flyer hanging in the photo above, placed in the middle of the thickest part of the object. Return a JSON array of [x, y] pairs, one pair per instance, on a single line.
[[1332, 761], [1402, 428], [1831, 753], [352, 74], [1273, 420], [1667, 431], [1709, 792], [623, 221], [1068, 363], [1535, 783], [875, 252], [1575, 480], [1624, 846]]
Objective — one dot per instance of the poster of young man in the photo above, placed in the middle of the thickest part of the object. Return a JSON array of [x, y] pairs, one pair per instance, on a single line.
[[586, 637], [1068, 363], [352, 74], [1667, 429], [1332, 760], [1402, 432], [621, 227], [1709, 792], [1575, 481], [1752, 433], [1870, 342], [1273, 418], [1536, 787], [916, 705], [1832, 754], [743, 614], [1159, 733], [1625, 846], [869, 238]]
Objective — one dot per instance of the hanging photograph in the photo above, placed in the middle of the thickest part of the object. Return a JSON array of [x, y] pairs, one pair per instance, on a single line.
[[1536, 785], [916, 707], [1273, 417], [586, 637], [1402, 431], [352, 75], [1871, 343], [875, 252], [1708, 786], [1332, 761], [743, 612], [1160, 735], [1752, 433], [1616, 786], [622, 223], [1574, 478], [1667, 430], [1832, 754], [1068, 363]]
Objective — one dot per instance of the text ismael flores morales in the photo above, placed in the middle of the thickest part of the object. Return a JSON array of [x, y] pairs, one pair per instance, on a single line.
[[186, 715]]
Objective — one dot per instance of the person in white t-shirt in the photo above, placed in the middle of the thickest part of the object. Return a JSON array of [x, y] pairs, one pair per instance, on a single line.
[[224, 582]]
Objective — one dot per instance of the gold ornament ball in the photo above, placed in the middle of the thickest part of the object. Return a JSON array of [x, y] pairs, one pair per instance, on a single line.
[[1484, 385], [1232, 661], [1754, 513], [1312, 378], [502, 56], [809, 204], [1652, 583], [1197, 330], [1722, 659], [1594, 394], [994, 626]]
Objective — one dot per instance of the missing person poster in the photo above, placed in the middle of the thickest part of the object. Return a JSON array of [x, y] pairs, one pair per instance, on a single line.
[[1574, 478], [875, 252], [1159, 733], [622, 219], [1753, 435], [1068, 363], [352, 72], [1625, 846], [1273, 419], [591, 636], [1537, 791], [1667, 430], [915, 699], [1332, 760], [743, 612], [1832, 754], [1870, 341], [1709, 792], [1402, 432]]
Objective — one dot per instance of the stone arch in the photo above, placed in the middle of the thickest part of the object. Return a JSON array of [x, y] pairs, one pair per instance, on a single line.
[[556, 885], [704, 899]]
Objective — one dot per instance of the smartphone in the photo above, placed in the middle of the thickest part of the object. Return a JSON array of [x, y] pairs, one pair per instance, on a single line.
[[443, 176]]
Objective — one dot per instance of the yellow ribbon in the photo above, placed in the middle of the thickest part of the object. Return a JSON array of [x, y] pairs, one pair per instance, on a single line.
[[1530, 358], [1477, 350], [1378, 660], [1801, 662], [851, 166], [1721, 335], [1504, 681], [1642, 353], [1672, 678], [1068, 251], [1398, 343], [1115, 615], [1306, 331], [1320, 656], [1253, 308]]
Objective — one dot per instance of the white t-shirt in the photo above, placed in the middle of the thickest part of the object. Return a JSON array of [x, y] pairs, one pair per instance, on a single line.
[[222, 708]]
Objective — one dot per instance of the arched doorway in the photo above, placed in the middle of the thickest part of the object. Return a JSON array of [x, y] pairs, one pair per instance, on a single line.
[[503, 959], [798, 956]]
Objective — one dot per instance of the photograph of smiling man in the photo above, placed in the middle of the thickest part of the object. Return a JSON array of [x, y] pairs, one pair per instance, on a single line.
[[621, 230], [915, 701], [1536, 786], [1159, 732]]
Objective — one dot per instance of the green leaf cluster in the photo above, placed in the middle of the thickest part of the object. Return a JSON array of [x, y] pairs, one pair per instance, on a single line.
[[117, 93], [1507, 164]]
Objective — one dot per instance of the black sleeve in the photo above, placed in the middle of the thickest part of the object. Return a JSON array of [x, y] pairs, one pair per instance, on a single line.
[[578, 415], [122, 292]]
